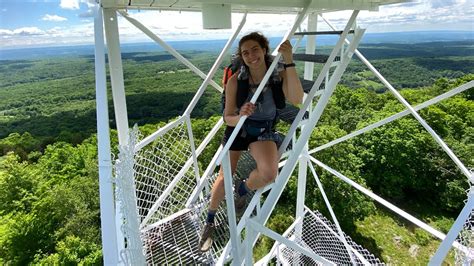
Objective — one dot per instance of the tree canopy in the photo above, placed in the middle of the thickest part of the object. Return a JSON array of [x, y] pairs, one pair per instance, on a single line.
[[49, 195]]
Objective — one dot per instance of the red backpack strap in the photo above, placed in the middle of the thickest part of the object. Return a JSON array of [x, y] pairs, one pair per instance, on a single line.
[[224, 77], [227, 74]]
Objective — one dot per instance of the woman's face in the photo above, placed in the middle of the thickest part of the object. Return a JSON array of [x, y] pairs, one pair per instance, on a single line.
[[253, 54]]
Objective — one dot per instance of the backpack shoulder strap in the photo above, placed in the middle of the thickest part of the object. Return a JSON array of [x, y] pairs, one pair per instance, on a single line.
[[228, 71], [277, 89], [278, 95], [242, 91]]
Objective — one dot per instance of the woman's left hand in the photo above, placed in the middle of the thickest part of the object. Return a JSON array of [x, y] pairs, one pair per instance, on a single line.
[[286, 51]]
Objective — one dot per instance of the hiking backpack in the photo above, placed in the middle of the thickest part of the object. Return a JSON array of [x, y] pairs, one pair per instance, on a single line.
[[235, 64]]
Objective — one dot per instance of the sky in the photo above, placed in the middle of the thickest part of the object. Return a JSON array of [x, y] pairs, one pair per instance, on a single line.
[[36, 23]]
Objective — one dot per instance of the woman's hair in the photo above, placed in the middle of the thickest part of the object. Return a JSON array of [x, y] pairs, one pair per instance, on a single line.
[[254, 36]]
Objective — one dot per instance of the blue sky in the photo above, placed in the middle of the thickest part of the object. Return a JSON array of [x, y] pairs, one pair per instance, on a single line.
[[30, 23]]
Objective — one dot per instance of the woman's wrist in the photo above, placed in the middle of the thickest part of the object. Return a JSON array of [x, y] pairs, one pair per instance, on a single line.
[[288, 65]]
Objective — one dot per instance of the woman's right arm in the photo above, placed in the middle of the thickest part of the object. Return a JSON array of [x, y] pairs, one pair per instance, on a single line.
[[231, 112]]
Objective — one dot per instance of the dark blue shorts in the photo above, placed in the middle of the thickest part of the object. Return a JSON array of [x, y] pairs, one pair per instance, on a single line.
[[242, 143]]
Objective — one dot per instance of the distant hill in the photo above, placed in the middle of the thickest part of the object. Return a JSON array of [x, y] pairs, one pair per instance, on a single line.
[[216, 45]]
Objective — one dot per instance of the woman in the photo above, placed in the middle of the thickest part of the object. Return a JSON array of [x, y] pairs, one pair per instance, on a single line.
[[257, 133]]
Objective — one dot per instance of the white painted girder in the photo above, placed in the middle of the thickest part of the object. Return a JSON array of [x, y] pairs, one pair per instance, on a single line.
[[252, 6]]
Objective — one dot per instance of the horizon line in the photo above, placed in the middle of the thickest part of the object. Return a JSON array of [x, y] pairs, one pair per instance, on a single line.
[[190, 40]]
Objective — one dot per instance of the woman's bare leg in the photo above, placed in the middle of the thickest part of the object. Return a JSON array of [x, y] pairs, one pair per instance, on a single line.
[[265, 154], [217, 193]]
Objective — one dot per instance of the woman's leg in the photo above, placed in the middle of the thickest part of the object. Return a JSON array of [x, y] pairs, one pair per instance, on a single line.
[[217, 193], [265, 154]]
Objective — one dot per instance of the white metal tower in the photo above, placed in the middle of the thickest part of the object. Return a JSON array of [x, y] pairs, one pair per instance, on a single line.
[[153, 196]]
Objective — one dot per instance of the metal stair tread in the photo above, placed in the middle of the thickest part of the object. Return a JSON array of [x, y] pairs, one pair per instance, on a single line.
[[315, 58], [162, 244], [329, 32], [308, 84]]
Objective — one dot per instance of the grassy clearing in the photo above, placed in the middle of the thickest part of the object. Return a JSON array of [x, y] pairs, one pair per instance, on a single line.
[[399, 243]]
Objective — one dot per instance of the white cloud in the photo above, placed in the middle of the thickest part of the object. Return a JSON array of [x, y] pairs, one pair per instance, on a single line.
[[55, 31], [418, 15], [90, 9], [89, 3], [32, 36], [445, 3], [75, 4], [188, 25], [87, 14], [4, 32], [4, 10], [69, 4], [28, 31], [55, 18]]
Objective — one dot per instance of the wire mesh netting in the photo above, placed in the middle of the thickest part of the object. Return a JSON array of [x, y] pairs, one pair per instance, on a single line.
[[466, 239], [320, 235], [245, 165], [126, 201], [175, 241], [162, 183], [157, 180]]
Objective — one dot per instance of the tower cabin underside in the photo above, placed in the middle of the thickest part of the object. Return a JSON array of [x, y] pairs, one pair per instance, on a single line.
[[251, 6]]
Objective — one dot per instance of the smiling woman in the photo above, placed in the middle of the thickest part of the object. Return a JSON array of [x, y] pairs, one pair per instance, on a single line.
[[258, 134]]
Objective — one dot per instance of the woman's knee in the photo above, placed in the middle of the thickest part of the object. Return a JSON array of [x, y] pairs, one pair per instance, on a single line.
[[269, 174]]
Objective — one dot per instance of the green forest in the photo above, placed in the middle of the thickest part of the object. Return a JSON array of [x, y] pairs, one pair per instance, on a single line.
[[49, 194]]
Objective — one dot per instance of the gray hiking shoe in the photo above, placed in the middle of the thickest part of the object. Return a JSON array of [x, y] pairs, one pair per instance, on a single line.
[[207, 233]]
